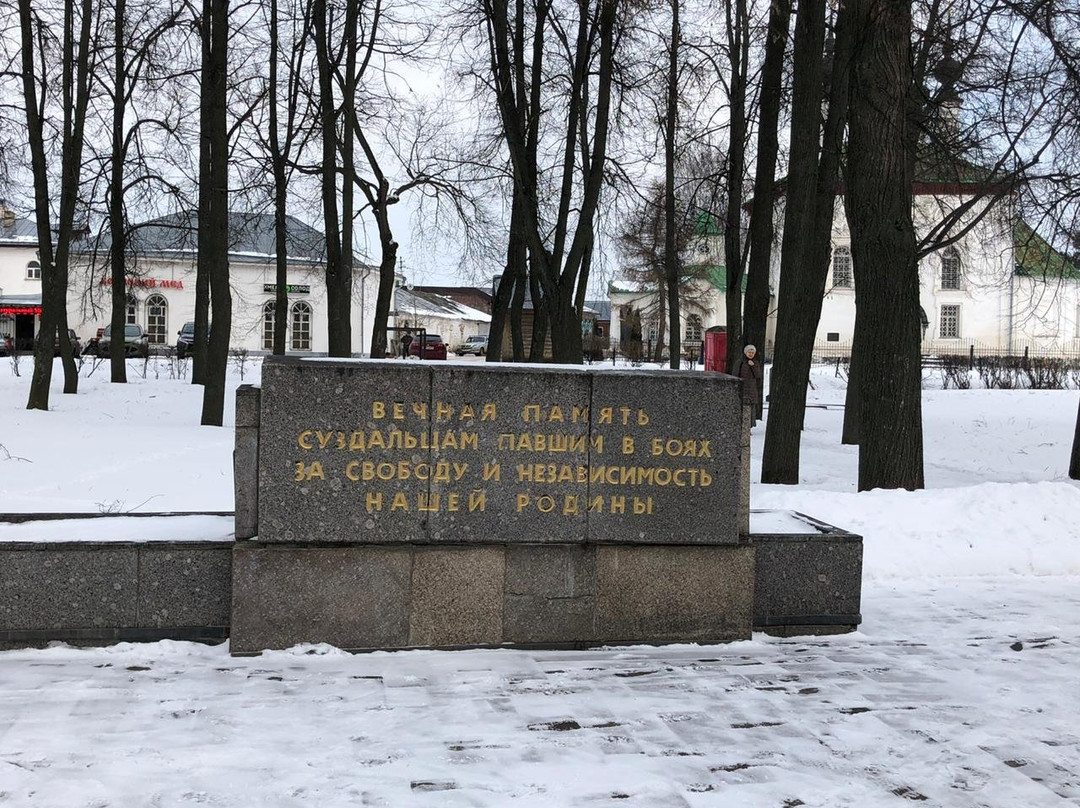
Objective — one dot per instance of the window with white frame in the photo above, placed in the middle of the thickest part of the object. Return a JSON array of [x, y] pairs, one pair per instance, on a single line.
[[693, 328], [157, 310], [842, 276], [301, 326], [132, 315], [652, 330], [268, 326], [1077, 332], [33, 271], [950, 269], [949, 327]]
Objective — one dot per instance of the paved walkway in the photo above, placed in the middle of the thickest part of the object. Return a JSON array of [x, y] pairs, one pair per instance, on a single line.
[[958, 693]]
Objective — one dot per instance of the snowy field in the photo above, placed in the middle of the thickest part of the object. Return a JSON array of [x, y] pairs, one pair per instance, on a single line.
[[962, 688]]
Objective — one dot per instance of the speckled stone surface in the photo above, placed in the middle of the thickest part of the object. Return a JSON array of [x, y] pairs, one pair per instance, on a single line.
[[675, 593], [694, 425], [352, 597], [550, 594], [520, 504], [246, 462], [334, 408], [184, 586], [811, 580], [52, 589], [457, 596]]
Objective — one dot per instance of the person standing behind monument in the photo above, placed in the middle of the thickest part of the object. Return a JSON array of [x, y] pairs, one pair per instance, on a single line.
[[406, 341], [750, 372]]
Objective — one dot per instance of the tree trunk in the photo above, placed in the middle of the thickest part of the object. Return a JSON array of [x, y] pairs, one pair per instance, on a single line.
[[387, 267], [538, 338], [214, 230], [787, 394], [517, 307], [204, 260], [761, 217], [850, 434], [883, 248], [516, 254], [278, 159], [338, 286], [117, 228], [738, 47], [671, 253]]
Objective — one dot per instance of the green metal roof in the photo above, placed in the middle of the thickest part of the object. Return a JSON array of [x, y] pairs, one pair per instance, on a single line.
[[1034, 257]]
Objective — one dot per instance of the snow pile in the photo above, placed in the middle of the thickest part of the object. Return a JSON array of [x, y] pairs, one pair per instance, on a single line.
[[987, 529]]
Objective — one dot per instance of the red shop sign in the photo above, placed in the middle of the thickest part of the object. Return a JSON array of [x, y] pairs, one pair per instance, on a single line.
[[148, 283]]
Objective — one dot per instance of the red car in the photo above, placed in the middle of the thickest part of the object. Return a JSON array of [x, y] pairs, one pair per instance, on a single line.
[[434, 347]]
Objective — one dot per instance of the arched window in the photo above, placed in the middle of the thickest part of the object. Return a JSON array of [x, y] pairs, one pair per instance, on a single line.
[[33, 271], [268, 325], [842, 277], [693, 328], [950, 269], [157, 309], [301, 326], [132, 310]]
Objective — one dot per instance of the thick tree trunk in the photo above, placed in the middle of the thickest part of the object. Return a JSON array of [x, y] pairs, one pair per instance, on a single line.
[[538, 337], [787, 394], [278, 159], [501, 313], [338, 280], [1074, 463], [204, 259], [387, 275], [756, 309], [738, 46], [671, 253], [883, 248], [214, 231], [517, 307], [117, 228]]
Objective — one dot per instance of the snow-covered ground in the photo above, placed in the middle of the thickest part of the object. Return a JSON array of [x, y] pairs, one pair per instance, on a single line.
[[961, 689]]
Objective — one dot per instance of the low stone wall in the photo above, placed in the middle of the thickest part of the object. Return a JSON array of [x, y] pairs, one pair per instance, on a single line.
[[807, 578], [96, 592]]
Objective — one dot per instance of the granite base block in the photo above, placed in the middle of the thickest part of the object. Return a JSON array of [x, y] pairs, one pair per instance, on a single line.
[[675, 593], [550, 594], [114, 591], [808, 584], [351, 597], [457, 596]]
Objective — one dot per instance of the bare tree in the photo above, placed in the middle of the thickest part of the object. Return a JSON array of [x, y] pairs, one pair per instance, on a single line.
[[559, 246], [72, 95], [213, 234], [761, 215]]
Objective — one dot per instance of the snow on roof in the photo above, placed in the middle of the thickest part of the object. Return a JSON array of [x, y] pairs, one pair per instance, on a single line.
[[428, 304]]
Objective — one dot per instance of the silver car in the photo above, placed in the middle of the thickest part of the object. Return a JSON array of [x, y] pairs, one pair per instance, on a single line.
[[473, 345]]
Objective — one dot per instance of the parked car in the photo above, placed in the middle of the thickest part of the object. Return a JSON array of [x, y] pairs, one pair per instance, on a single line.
[[434, 347], [76, 345], [136, 341], [473, 345], [185, 338]]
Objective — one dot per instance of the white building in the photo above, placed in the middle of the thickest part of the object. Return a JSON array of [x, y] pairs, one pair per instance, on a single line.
[[161, 284], [437, 314], [999, 289]]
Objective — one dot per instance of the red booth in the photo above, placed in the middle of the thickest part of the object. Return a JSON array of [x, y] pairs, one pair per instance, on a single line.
[[716, 349]]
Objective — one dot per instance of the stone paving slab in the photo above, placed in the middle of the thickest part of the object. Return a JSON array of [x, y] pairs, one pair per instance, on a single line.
[[958, 693]]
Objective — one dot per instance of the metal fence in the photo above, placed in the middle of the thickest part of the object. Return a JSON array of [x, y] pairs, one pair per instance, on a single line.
[[828, 352]]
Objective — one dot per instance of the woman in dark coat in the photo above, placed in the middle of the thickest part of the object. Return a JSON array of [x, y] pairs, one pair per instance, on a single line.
[[749, 370]]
